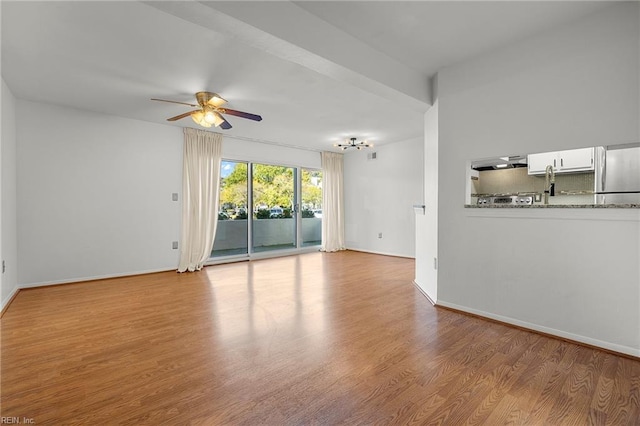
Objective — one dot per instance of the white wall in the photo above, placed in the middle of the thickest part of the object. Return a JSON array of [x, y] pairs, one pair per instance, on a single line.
[[379, 197], [8, 219], [244, 150], [574, 273], [94, 194]]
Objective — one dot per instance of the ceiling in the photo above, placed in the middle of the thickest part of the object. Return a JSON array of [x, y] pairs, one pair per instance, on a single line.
[[318, 72]]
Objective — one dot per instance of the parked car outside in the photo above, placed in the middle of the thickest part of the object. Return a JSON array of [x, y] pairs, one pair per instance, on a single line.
[[318, 213], [276, 212]]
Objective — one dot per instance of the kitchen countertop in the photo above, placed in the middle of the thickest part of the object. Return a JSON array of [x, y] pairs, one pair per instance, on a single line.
[[554, 206]]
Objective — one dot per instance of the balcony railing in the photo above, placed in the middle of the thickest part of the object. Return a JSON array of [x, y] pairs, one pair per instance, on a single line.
[[231, 235]]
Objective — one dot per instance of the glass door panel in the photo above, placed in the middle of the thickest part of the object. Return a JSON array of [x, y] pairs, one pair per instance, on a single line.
[[311, 207], [274, 223], [233, 222]]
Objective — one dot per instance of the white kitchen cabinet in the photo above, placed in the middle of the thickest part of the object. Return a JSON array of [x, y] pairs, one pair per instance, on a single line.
[[569, 161], [576, 160], [538, 163]]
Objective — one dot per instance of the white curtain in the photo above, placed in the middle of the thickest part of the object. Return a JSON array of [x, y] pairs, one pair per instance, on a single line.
[[332, 202], [200, 189]]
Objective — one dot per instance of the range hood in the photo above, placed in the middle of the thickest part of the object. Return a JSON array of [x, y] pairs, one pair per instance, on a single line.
[[500, 163]]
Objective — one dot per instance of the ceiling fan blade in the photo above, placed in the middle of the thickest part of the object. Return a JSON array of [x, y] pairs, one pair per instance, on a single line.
[[181, 116], [248, 115], [174, 102], [225, 125]]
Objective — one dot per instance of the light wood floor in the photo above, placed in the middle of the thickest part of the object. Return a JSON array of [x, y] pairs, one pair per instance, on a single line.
[[315, 339]]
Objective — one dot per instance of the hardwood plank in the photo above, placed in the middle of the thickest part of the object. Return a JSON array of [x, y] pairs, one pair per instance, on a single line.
[[316, 339]]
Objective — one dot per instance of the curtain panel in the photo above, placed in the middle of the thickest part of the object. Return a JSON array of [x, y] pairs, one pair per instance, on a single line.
[[200, 199], [332, 202]]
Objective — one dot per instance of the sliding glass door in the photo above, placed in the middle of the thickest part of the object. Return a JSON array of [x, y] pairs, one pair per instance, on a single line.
[[311, 207], [274, 207], [266, 208], [233, 217]]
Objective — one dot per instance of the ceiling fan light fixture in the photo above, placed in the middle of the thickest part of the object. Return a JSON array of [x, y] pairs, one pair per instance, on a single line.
[[199, 118], [217, 119], [210, 117], [216, 100]]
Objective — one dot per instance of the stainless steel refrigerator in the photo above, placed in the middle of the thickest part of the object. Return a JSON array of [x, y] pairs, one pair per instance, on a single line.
[[619, 180]]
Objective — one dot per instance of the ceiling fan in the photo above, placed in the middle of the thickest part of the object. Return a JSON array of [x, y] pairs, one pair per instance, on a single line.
[[209, 112]]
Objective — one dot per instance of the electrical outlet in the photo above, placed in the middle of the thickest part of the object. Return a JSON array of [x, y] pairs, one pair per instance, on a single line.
[[379, 234], [174, 245], [435, 263], [4, 267], [174, 196]]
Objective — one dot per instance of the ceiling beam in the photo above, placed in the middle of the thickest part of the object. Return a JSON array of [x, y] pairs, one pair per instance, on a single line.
[[289, 32]]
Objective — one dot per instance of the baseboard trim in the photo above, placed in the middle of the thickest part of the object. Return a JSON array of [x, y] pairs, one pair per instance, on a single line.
[[380, 253], [94, 278], [424, 293], [613, 348], [8, 300]]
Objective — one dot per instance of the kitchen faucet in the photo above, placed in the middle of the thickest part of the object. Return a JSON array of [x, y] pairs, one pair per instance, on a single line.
[[549, 183]]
